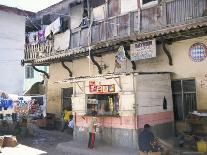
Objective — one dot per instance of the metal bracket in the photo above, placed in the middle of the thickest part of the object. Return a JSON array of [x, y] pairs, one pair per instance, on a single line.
[[80, 87], [38, 70], [96, 64], [118, 83], [67, 68], [167, 52]]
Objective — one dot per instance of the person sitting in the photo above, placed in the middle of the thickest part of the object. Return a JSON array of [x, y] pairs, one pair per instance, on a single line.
[[147, 141]]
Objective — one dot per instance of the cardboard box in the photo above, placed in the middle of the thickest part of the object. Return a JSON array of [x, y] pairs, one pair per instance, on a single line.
[[41, 123], [10, 141]]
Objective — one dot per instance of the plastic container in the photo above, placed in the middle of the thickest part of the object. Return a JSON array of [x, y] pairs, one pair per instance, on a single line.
[[202, 146]]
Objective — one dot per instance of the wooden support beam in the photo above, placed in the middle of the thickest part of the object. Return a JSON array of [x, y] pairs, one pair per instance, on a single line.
[[67, 68], [41, 71], [167, 52], [96, 63], [134, 67]]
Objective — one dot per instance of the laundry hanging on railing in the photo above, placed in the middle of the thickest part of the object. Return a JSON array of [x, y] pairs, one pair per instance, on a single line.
[[32, 38], [53, 28], [41, 36]]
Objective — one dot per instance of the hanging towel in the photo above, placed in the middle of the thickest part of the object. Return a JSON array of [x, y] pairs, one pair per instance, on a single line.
[[54, 27], [33, 37]]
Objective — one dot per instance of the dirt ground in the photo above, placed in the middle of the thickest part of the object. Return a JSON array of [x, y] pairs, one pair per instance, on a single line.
[[44, 142]]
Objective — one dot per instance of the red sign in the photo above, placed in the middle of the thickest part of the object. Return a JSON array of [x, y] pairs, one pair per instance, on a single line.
[[93, 88]]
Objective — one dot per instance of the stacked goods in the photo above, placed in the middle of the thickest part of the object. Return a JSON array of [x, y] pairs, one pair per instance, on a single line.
[[9, 141]]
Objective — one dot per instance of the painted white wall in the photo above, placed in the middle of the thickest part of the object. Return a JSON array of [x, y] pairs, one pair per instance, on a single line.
[[12, 39], [38, 77]]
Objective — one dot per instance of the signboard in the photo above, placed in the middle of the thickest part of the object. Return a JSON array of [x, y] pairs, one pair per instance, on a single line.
[[100, 89], [143, 50], [198, 52]]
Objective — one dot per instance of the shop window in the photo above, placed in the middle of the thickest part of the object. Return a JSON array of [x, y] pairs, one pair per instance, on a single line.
[[184, 98], [29, 72], [148, 3], [103, 104]]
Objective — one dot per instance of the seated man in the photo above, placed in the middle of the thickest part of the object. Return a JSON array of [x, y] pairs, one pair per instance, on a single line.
[[147, 141], [66, 118]]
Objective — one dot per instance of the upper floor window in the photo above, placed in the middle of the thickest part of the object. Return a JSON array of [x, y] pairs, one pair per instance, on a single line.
[[113, 8], [184, 98], [148, 3], [29, 72]]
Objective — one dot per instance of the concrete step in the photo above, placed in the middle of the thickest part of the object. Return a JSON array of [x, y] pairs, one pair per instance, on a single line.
[[78, 148]]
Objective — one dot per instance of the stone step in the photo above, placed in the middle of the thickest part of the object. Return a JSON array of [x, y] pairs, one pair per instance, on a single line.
[[77, 148]]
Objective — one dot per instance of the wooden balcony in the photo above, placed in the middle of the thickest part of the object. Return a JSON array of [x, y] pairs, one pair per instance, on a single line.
[[168, 14], [38, 51]]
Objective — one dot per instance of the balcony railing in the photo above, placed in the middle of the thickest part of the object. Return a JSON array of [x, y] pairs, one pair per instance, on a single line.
[[39, 50], [146, 20]]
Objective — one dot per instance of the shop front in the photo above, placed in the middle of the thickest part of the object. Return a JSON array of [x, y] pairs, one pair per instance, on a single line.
[[123, 104]]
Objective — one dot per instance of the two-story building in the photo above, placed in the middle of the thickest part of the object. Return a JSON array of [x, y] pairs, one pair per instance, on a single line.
[[134, 61], [12, 40]]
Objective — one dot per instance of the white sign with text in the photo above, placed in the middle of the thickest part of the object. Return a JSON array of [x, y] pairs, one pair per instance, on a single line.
[[143, 50]]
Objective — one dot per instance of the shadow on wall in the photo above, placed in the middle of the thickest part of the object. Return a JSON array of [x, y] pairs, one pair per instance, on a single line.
[[37, 88]]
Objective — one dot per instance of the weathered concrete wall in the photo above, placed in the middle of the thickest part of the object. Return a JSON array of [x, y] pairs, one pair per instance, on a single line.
[[149, 97], [57, 72], [111, 136], [163, 131], [182, 67], [12, 38]]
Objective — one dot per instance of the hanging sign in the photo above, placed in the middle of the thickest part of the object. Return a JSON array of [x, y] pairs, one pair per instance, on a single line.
[[143, 50], [198, 52]]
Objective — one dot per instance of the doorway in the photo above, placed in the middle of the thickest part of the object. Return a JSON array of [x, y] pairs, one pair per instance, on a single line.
[[184, 98], [67, 122], [66, 98]]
